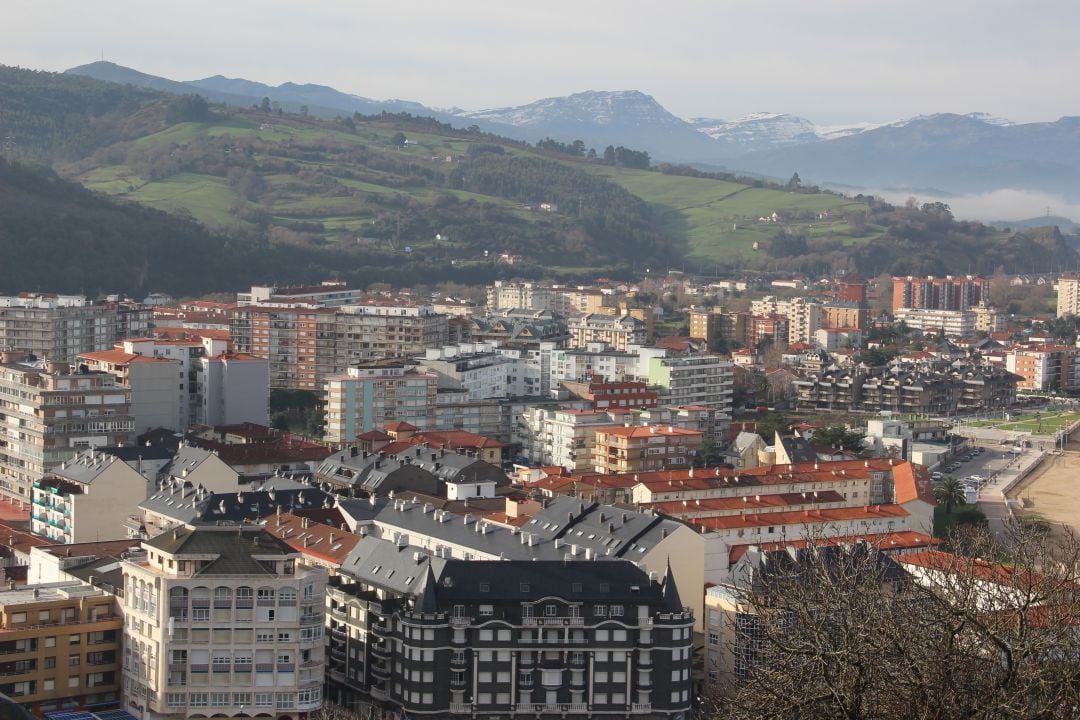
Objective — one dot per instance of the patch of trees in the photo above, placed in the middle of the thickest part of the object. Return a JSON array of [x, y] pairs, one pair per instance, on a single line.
[[186, 108], [614, 223], [574, 149], [627, 158], [54, 117]]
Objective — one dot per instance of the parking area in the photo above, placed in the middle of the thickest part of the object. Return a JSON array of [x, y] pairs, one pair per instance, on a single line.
[[983, 460]]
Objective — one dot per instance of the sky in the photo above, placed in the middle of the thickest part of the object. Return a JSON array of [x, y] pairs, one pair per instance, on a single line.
[[832, 61]]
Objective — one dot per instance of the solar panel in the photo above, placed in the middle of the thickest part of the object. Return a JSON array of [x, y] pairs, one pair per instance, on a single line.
[[69, 715], [114, 715]]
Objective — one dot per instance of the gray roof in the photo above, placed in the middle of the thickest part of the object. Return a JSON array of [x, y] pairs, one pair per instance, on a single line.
[[397, 568], [746, 440], [87, 466], [233, 547], [464, 580], [604, 530], [179, 500], [376, 473]]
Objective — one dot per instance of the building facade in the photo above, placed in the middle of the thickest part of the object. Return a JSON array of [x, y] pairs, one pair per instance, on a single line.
[[939, 293], [644, 449], [60, 644], [222, 620], [369, 396], [55, 327], [486, 639], [49, 414]]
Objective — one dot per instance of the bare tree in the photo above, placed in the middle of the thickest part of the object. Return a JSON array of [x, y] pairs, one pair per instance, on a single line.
[[834, 632]]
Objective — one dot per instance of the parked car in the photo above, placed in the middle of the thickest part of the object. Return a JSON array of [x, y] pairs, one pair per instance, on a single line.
[[936, 476]]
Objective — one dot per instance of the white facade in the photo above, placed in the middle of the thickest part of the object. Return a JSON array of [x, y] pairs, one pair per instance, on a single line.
[[222, 621], [955, 323], [232, 389], [476, 368]]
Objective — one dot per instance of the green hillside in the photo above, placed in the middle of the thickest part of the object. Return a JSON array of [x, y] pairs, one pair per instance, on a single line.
[[413, 200], [721, 219]]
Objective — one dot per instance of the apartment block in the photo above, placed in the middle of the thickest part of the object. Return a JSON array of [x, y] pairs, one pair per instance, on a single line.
[[326, 294], [565, 436], [60, 644], [1045, 367], [153, 382], [954, 323], [644, 449], [367, 397], [1068, 295], [767, 329], [475, 368], [49, 413], [487, 639], [844, 315], [619, 333], [222, 619], [939, 293], [55, 327], [507, 295], [86, 498], [694, 380]]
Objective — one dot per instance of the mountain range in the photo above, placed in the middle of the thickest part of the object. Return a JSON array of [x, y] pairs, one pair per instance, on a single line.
[[945, 153]]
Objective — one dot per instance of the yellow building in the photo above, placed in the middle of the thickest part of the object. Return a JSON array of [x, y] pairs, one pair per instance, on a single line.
[[59, 646], [644, 449]]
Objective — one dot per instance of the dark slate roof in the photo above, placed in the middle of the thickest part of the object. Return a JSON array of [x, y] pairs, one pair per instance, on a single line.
[[132, 454], [233, 547], [758, 568], [479, 580], [376, 473], [798, 449], [180, 501]]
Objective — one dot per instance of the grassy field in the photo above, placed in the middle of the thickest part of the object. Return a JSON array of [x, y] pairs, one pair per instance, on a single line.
[[1042, 424], [721, 219]]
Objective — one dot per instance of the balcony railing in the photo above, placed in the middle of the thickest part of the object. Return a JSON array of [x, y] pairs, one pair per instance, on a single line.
[[641, 707], [558, 621], [552, 708]]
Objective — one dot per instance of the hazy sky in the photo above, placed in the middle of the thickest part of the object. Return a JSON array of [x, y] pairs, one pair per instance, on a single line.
[[829, 60]]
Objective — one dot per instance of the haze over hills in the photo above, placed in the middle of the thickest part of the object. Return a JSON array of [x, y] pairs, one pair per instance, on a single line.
[[949, 153]]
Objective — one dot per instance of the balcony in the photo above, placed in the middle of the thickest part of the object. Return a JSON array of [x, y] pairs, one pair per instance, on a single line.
[[641, 708], [286, 667], [461, 708], [559, 621], [538, 708], [315, 619], [457, 621]]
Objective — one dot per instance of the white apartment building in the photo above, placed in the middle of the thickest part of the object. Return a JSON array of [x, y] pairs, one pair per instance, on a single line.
[[566, 437], [222, 620], [617, 332], [85, 499], [1068, 295], [153, 382], [506, 295], [477, 368], [55, 327], [955, 323], [49, 413]]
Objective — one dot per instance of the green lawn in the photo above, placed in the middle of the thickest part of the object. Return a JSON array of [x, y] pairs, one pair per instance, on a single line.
[[1045, 424], [207, 198]]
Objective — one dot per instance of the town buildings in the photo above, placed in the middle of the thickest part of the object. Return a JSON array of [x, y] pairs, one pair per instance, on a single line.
[[694, 380], [60, 644], [644, 449], [222, 619], [482, 639], [953, 323], [1068, 295], [1044, 367], [617, 332], [371, 395], [55, 327], [85, 498], [939, 293], [50, 412]]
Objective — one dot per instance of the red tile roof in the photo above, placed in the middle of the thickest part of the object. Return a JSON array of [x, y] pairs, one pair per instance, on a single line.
[[800, 517], [903, 540], [326, 542]]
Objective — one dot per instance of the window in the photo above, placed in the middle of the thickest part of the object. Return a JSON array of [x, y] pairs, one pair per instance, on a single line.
[[74, 639], [175, 699], [523, 587], [616, 610], [485, 587], [19, 617], [550, 611], [43, 616], [264, 635], [199, 700], [487, 610], [525, 677], [285, 701], [243, 698], [284, 636], [600, 610], [50, 641], [50, 662], [714, 637], [264, 699], [73, 660], [49, 684], [200, 614], [219, 699]]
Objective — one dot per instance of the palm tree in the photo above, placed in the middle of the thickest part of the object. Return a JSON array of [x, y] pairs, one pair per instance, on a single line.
[[949, 491]]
